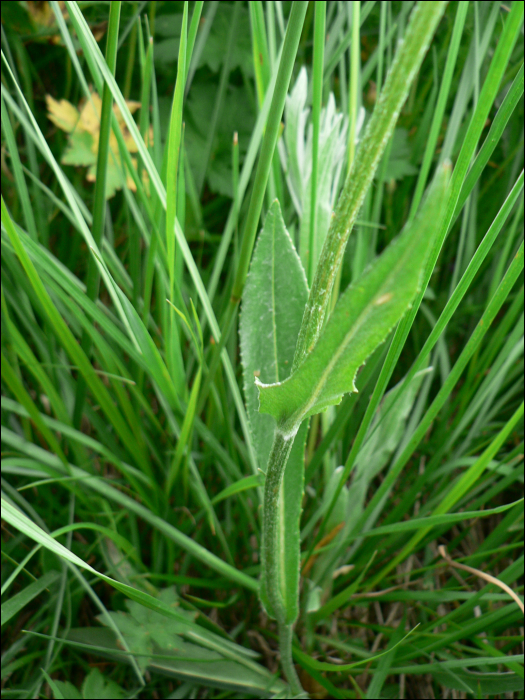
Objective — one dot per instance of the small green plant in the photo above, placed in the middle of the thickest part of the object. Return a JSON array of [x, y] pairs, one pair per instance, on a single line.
[[362, 319], [273, 513], [325, 362]]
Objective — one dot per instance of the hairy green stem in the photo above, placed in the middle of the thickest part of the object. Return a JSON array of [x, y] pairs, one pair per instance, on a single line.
[[285, 646], [407, 62], [272, 552], [271, 542]]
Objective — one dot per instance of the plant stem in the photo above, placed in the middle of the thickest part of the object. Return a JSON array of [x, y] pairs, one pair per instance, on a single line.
[[271, 542], [285, 647], [272, 551], [407, 61]]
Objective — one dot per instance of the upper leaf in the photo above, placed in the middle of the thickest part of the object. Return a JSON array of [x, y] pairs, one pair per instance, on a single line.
[[364, 316], [143, 628], [272, 308]]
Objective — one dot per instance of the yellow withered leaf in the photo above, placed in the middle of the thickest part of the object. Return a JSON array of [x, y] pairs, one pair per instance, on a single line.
[[62, 113]]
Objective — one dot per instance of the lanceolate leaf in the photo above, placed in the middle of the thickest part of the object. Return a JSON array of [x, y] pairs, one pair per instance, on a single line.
[[272, 308], [362, 319]]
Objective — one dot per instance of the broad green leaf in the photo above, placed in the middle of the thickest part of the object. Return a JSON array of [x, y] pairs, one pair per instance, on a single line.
[[146, 630], [362, 319], [272, 308], [191, 662], [407, 61]]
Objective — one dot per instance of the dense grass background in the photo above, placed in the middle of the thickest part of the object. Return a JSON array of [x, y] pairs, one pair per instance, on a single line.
[[131, 492]]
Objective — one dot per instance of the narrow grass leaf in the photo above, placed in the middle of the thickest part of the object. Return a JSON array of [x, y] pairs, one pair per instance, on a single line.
[[248, 482], [18, 170], [156, 182], [103, 488], [436, 520], [185, 434], [66, 337], [16, 603], [173, 350]]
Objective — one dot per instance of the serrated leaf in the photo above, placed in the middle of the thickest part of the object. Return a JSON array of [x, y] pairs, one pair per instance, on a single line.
[[83, 127], [192, 662], [200, 104], [399, 164], [204, 667], [213, 52], [64, 689], [363, 317], [62, 113], [96, 686], [79, 150], [272, 308], [144, 629]]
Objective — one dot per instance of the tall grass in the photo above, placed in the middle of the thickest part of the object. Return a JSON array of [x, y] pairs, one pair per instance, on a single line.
[[135, 469]]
